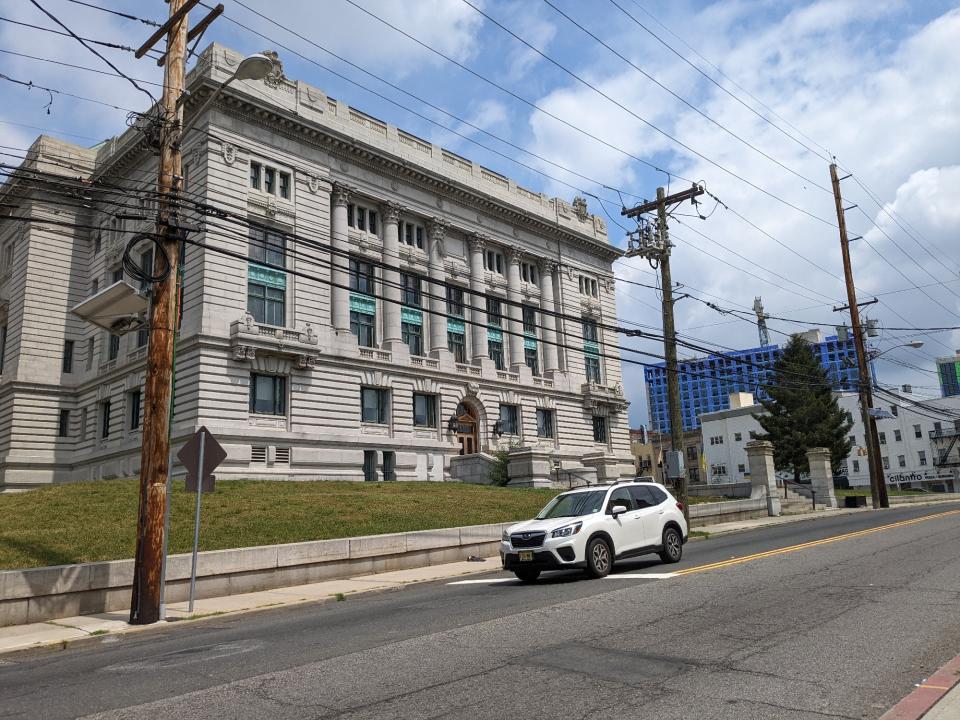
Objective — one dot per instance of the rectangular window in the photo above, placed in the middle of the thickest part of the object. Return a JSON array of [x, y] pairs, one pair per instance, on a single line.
[[269, 180], [456, 344], [917, 431], [90, 351], [362, 276], [856, 466], [267, 247], [412, 337], [853, 439], [599, 429], [410, 289], [117, 275], [531, 360], [370, 465], [493, 261], [389, 466], [424, 410], [544, 423], [114, 347], [143, 337], [494, 312], [508, 420], [495, 353], [529, 320], [886, 463], [268, 394], [361, 217], [528, 272], [364, 327], [591, 364], [63, 427], [922, 456], [897, 436], [741, 468], [883, 438], [266, 304], [256, 172], [133, 405], [105, 419], [902, 460], [454, 301], [738, 437], [373, 405], [68, 356], [588, 287], [692, 454], [285, 185], [590, 331], [94, 286]]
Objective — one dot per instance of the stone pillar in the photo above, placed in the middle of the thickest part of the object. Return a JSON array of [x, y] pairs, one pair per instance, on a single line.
[[821, 476], [607, 466], [763, 475], [339, 294], [548, 271], [530, 467], [438, 304], [390, 212], [478, 304], [515, 312]]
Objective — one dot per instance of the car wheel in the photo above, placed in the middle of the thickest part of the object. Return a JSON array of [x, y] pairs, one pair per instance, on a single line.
[[527, 574], [672, 546], [599, 558]]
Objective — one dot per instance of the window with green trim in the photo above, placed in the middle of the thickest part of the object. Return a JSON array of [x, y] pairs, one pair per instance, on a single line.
[[457, 344], [494, 312], [495, 352], [363, 325], [410, 293], [412, 336], [266, 304], [267, 246]]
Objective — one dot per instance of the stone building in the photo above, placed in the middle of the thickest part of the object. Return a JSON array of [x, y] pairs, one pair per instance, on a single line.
[[363, 304]]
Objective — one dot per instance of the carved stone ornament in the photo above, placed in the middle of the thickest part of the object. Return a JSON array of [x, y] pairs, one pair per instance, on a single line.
[[393, 185], [477, 242], [580, 208], [304, 362], [275, 78], [229, 153], [341, 194], [391, 211], [271, 209], [196, 154], [472, 389], [516, 232], [244, 352], [437, 229], [313, 183], [547, 267], [440, 202], [312, 98], [249, 324], [514, 255]]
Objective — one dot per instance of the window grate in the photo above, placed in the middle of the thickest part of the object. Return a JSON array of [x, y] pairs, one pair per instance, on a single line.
[[258, 454], [283, 455]]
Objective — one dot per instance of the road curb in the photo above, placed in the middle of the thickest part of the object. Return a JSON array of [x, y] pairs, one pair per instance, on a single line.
[[927, 693]]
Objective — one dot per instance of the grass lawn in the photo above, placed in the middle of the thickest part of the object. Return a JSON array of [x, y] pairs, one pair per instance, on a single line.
[[866, 491], [85, 522]]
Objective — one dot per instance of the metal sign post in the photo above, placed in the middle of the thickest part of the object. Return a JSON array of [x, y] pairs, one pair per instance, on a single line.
[[196, 524]]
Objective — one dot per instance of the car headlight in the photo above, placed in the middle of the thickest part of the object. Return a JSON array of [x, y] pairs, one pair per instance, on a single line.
[[505, 537], [567, 530]]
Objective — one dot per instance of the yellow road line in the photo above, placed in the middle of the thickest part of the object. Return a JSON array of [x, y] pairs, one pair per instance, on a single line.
[[813, 543]]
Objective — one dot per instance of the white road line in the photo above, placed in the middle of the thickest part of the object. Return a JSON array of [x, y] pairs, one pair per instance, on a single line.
[[641, 576], [482, 582]]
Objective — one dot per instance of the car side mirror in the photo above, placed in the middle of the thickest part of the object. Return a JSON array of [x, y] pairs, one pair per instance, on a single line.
[[618, 510]]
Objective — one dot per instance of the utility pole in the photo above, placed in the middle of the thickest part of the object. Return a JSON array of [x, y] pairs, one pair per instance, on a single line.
[[878, 484], [659, 251], [155, 451]]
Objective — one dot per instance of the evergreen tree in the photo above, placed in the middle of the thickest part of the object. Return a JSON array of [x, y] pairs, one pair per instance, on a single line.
[[802, 412]]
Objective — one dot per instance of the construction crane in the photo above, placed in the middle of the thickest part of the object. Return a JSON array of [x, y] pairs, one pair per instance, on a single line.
[[761, 321]]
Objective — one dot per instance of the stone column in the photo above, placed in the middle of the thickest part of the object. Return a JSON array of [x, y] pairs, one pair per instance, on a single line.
[[390, 212], [339, 294], [821, 476], [478, 304], [438, 305], [548, 270], [515, 312], [763, 475]]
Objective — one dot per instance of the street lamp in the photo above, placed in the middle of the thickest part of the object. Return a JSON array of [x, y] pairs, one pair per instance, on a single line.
[[913, 344], [252, 67]]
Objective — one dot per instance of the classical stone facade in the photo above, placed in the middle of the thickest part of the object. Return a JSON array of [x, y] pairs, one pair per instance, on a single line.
[[363, 304]]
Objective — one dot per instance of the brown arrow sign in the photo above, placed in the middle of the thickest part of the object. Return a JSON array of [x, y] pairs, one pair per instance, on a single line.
[[213, 455]]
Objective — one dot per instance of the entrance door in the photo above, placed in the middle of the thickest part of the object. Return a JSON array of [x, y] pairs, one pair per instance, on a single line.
[[466, 430]]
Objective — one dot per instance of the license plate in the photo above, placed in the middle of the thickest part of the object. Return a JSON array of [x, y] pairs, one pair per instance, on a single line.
[[526, 556]]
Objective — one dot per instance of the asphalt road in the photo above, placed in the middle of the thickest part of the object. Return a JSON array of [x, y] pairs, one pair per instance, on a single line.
[[841, 628]]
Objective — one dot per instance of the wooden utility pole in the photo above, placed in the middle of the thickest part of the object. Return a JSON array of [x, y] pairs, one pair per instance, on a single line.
[[878, 484], [155, 451], [660, 251]]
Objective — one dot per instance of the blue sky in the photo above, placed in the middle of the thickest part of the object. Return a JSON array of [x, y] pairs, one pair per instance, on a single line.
[[865, 79]]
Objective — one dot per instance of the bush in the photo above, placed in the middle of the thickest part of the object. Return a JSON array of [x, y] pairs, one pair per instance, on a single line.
[[499, 475]]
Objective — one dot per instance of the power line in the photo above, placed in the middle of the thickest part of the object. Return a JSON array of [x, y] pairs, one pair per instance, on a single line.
[[127, 16], [75, 67], [102, 43]]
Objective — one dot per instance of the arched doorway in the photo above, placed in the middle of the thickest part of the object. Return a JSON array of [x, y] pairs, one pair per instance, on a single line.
[[466, 428]]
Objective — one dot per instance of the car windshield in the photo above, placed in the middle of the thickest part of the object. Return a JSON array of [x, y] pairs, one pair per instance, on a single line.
[[573, 505]]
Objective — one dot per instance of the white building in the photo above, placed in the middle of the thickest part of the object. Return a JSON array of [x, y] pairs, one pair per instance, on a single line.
[[915, 448], [368, 305]]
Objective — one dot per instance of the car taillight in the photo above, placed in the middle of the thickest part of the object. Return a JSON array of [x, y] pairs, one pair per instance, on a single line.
[[679, 506]]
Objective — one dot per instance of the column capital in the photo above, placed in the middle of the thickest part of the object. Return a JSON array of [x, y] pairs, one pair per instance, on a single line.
[[548, 266], [341, 194], [391, 211], [478, 241], [515, 255], [437, 227]]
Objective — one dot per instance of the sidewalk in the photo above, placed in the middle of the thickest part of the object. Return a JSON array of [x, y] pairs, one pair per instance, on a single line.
[[935, 698], [64, 631]]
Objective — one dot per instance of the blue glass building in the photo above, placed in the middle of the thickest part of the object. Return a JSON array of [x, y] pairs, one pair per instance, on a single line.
[[706, 383]]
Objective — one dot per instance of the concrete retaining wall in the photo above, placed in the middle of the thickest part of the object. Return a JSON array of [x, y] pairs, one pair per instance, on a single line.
[[38, 594], [709, 513]]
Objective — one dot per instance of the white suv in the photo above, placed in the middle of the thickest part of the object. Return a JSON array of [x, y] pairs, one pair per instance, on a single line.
[[591, 527]]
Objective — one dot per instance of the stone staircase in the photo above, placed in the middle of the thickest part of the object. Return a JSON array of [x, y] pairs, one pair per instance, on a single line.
[[796, 500]]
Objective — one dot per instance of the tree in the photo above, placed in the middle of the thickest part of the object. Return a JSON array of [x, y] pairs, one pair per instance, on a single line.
[[801, 411]]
